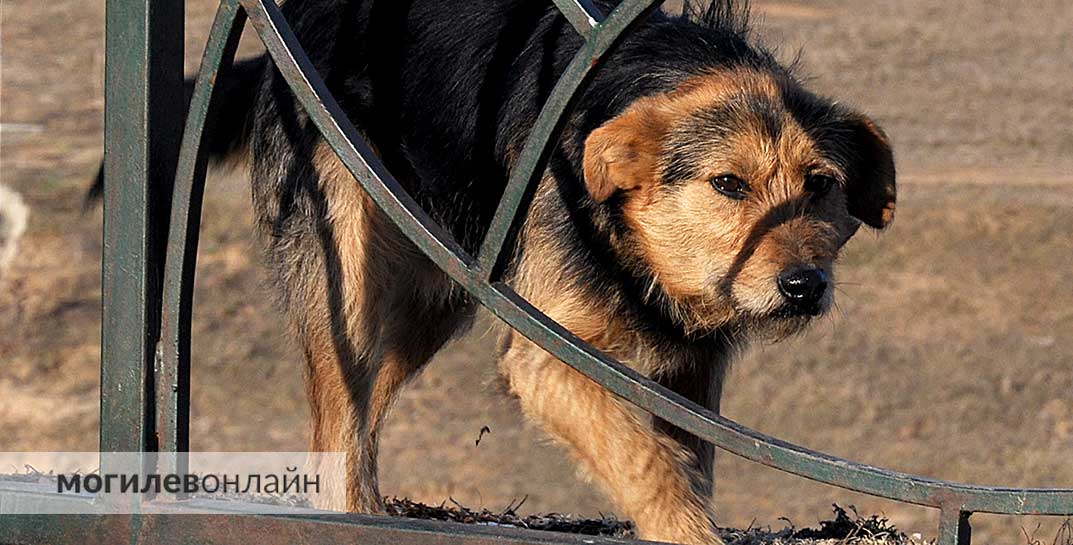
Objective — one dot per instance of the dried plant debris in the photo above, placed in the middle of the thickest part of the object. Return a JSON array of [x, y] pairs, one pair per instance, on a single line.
[[843, 529], [1064, 536], [275, 500], [552, 522], [29, 474], [847, 528]]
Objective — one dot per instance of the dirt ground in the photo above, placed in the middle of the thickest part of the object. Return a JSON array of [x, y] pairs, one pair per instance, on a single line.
[[949, 354]]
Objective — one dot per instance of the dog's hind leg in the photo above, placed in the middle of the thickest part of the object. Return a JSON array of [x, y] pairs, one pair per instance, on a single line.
[[415, 333], [647, 474], [340, 391], [369, 311], [334, 294]]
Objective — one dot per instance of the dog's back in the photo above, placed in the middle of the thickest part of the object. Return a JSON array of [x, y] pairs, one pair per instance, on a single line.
[[446, 90], [443, 89], [698, 196]]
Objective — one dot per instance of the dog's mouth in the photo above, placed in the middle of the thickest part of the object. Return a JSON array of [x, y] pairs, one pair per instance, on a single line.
[[785, 321], [798, 311], [786, 311], [779, 322]]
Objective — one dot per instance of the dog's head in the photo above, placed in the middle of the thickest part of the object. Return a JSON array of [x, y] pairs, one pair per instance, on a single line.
[[734, 193]]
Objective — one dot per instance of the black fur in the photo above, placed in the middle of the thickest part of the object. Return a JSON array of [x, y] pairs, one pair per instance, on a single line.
[[237, 92], [447, 91]]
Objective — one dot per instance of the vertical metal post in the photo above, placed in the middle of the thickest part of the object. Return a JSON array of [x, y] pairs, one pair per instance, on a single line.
[[142, 123], [954, 528]]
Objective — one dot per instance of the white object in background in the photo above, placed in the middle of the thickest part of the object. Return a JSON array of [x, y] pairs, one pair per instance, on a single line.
[[13, 216]]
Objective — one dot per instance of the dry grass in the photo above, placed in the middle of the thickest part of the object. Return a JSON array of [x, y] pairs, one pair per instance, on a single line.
[[949, 355], [508, 516], [1064, 535]]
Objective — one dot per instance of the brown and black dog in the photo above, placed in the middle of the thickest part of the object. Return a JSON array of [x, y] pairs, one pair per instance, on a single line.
[[697, 200]]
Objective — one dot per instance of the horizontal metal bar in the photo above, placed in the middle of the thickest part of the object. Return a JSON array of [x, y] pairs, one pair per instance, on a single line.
[[582, 14], [514, 204], [613, 375], [287, 525], [18, 497], [159, 529]]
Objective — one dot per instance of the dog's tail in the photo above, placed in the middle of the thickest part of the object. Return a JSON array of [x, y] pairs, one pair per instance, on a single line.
[[236, 93]]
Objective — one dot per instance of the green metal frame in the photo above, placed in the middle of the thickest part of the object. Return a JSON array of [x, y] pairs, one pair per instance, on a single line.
[[148, 295]]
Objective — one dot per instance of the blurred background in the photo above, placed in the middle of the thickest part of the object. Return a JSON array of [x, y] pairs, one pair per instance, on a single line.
[[948, 356]]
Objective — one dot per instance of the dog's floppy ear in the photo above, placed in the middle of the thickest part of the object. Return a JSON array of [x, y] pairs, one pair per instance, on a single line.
[[623, 154], [870, 188]]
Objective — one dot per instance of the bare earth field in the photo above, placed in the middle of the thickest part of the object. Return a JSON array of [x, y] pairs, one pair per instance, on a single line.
[[949, 354]]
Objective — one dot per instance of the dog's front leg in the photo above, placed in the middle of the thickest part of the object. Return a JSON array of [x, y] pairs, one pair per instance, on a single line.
[[648, 475]]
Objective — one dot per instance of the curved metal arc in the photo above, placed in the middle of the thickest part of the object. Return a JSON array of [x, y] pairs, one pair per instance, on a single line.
[[616, 377], [172, 376], [514, 204], [349, 145], [752, 445], [582, 14]]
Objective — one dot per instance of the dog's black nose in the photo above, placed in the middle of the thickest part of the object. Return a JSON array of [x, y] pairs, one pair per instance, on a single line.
[[804, 288]]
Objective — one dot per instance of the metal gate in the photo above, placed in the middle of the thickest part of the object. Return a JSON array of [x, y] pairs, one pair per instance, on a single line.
[[152, 218]]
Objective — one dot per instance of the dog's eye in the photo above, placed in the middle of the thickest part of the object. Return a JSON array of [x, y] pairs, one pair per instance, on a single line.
[[731, 186], [819, 184]]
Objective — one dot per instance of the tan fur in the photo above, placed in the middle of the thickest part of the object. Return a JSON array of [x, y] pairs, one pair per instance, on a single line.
[[355, 373], [688, 236], [658, 482], [622, 154], [715, 259], [645, 473]]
